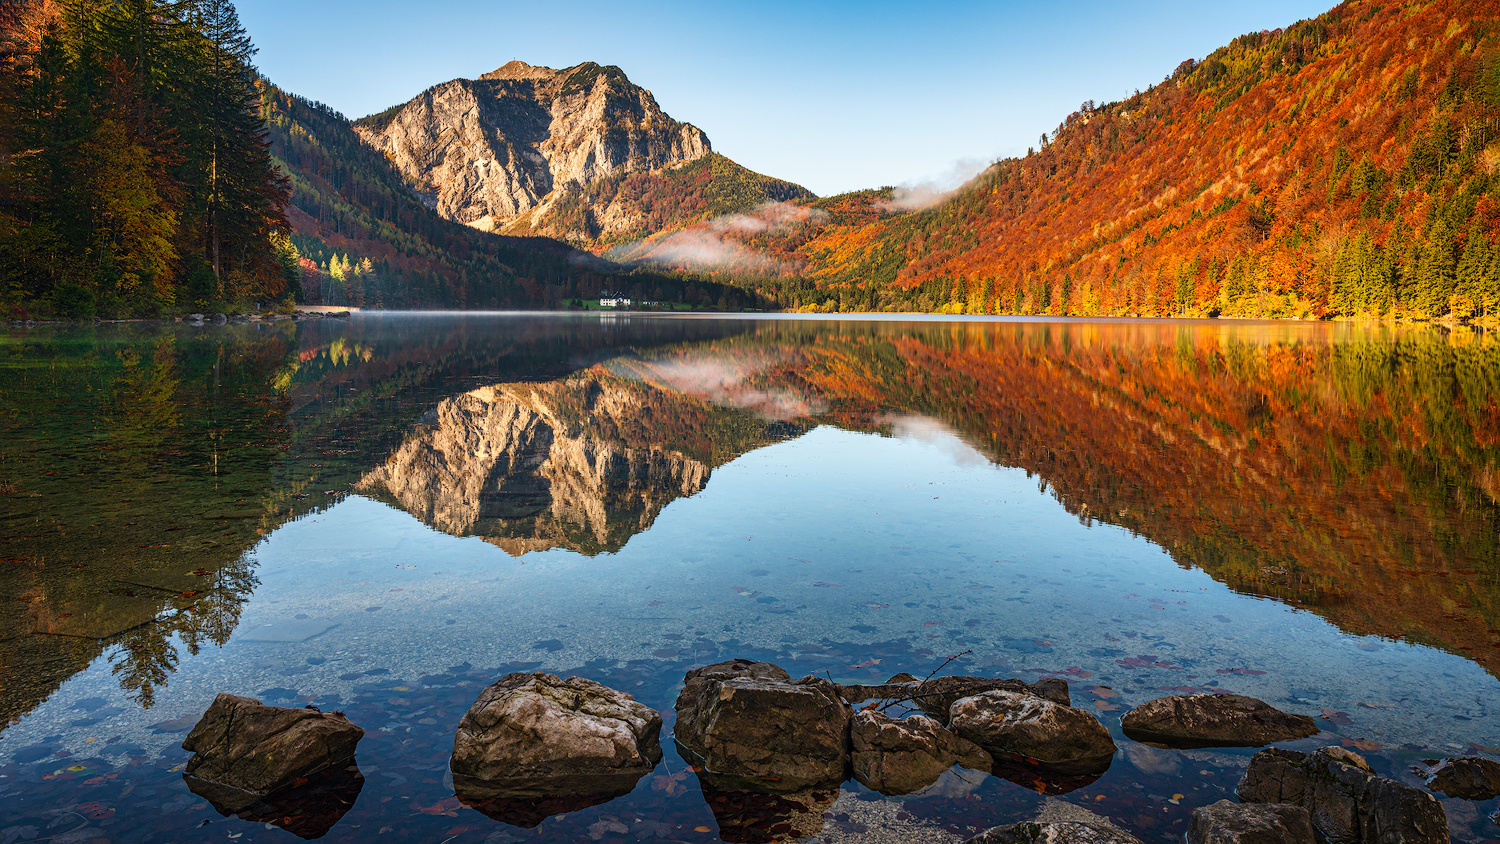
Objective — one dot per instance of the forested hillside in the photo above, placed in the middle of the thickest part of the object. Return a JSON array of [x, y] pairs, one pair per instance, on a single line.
[[135, 176], [1345, 166], [364, 239], [665, 201]]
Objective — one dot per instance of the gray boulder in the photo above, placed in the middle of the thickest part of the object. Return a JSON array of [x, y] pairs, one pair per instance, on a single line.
[[540, 735], [937, 696], [1348, 802], [1214, 721], [1250, 823], [242, 745], [1059, 738], [752, 728], [1058, 832], [1467, 777], [901, 757]]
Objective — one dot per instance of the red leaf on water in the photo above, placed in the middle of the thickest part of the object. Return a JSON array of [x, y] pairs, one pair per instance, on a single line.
[[1335, 716]]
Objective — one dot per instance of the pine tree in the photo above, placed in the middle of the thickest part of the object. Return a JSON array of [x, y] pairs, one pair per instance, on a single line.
[[1475, 278], [1433, 273]]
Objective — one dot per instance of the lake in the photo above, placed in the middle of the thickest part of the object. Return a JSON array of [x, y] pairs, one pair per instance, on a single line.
[[384, 514]]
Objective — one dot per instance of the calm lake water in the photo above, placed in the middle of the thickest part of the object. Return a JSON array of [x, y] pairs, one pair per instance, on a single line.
[[385, 514]]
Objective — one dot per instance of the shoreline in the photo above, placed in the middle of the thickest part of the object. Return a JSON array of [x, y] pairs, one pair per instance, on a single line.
[[311, 312]]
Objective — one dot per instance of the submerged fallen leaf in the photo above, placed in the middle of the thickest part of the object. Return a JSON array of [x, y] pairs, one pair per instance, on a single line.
[[1146, 661]]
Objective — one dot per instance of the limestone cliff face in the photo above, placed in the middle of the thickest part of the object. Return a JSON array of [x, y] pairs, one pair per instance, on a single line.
[[510, 146], [535, 466]]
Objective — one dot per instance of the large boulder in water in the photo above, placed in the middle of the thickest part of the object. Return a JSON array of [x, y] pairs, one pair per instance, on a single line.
[[1225, 822], [902, 756], [240, 744], [1059, 738], [1467, 777], [1348, 802], [937, 696], [1057, 832], [538, 735], [1209, 720], [750, 727]]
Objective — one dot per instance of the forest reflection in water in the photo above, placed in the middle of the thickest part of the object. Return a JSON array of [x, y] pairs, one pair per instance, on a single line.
[[1350, 471]]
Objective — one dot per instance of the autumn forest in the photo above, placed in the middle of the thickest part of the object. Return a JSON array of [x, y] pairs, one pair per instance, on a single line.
[[1344, 167]]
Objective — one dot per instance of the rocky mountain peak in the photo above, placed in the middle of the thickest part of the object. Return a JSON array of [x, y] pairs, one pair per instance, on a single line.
[[518, 69], [497, 151]]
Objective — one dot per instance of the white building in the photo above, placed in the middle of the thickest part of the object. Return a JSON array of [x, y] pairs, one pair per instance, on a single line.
[[610, 301]]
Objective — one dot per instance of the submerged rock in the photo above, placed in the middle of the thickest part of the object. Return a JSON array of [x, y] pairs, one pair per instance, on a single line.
[[242, 744], [1349, 803], [1209, 720], [752, 728], [538, 735], [1468, 777], [1226, 822], [1058, 832], [1059, 738], [752, 817], [903, 756]]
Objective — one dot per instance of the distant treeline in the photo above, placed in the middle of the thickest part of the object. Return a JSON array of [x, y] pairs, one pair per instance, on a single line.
[[137, 177]]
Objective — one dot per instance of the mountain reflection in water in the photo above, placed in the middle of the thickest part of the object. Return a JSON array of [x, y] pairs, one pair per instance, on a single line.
[[1348, 471], [583, 463], [1356, 478]]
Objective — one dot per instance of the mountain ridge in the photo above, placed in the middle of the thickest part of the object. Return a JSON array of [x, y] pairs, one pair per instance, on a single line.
[[579, 153]]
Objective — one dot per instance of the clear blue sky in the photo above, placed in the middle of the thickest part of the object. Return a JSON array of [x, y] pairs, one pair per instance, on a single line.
[[833, 94]]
